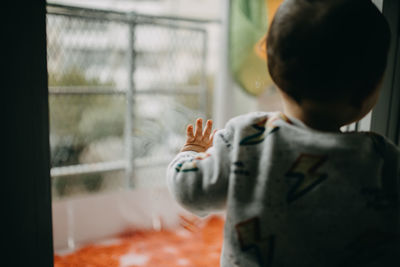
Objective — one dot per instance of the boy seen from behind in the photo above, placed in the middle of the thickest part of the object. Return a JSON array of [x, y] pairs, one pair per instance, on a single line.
[[296, 190]]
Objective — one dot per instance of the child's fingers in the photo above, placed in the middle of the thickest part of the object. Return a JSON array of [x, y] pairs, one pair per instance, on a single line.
[[207, 129], [189, 131], [199, 128]]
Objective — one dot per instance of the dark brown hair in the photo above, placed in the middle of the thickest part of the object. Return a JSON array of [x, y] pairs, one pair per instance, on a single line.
[[327, 49]]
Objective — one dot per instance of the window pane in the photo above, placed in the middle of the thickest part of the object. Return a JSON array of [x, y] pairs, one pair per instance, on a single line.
[[122, 88]]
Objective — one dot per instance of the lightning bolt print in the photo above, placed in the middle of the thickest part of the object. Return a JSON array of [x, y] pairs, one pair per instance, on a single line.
[[257, 137], [304, 171], [262, 129], [250, 240]]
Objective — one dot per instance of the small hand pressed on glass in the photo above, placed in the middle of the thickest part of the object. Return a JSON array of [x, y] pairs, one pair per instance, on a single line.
[[199, 140]]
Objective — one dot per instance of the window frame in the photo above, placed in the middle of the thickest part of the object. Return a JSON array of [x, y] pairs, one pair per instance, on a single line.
[[386, 114]]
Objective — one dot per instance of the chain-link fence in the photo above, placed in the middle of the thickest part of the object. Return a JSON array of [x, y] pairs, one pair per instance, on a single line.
[[122, 87]]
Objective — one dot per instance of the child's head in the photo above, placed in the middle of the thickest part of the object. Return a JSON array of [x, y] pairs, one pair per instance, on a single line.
[[328, 50]]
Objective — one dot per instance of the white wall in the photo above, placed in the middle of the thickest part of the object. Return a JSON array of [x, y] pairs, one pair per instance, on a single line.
[[77, 221]]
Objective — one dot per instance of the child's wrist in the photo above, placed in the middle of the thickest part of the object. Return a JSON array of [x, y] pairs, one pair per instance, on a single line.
[[192, 147]]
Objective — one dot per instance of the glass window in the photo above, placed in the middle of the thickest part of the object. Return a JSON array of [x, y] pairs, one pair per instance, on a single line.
[[122, 88]]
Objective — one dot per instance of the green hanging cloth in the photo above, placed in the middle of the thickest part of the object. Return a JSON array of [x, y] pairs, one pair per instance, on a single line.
[[248, 27]]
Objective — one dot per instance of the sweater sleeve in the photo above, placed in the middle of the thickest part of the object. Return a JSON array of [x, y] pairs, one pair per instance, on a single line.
[[199, 181]]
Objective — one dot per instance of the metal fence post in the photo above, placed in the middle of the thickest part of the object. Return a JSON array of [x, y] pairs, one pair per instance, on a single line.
[[203, 82], [129, 120]]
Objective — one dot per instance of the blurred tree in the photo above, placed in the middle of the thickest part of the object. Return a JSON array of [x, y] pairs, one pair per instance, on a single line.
[[77, 120]]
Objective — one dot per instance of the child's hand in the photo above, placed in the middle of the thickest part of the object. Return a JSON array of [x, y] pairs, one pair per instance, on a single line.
[[199, 141]]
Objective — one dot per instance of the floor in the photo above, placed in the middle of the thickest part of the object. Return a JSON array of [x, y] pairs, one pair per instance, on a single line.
[[197, 243]]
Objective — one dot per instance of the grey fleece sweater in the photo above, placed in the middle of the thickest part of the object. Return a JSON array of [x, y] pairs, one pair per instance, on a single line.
[[294, 196]]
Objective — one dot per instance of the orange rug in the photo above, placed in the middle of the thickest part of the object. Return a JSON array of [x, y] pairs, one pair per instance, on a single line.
[[197, 243]]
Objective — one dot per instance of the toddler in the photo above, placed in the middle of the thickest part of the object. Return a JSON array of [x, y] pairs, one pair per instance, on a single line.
[[296, 190]]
